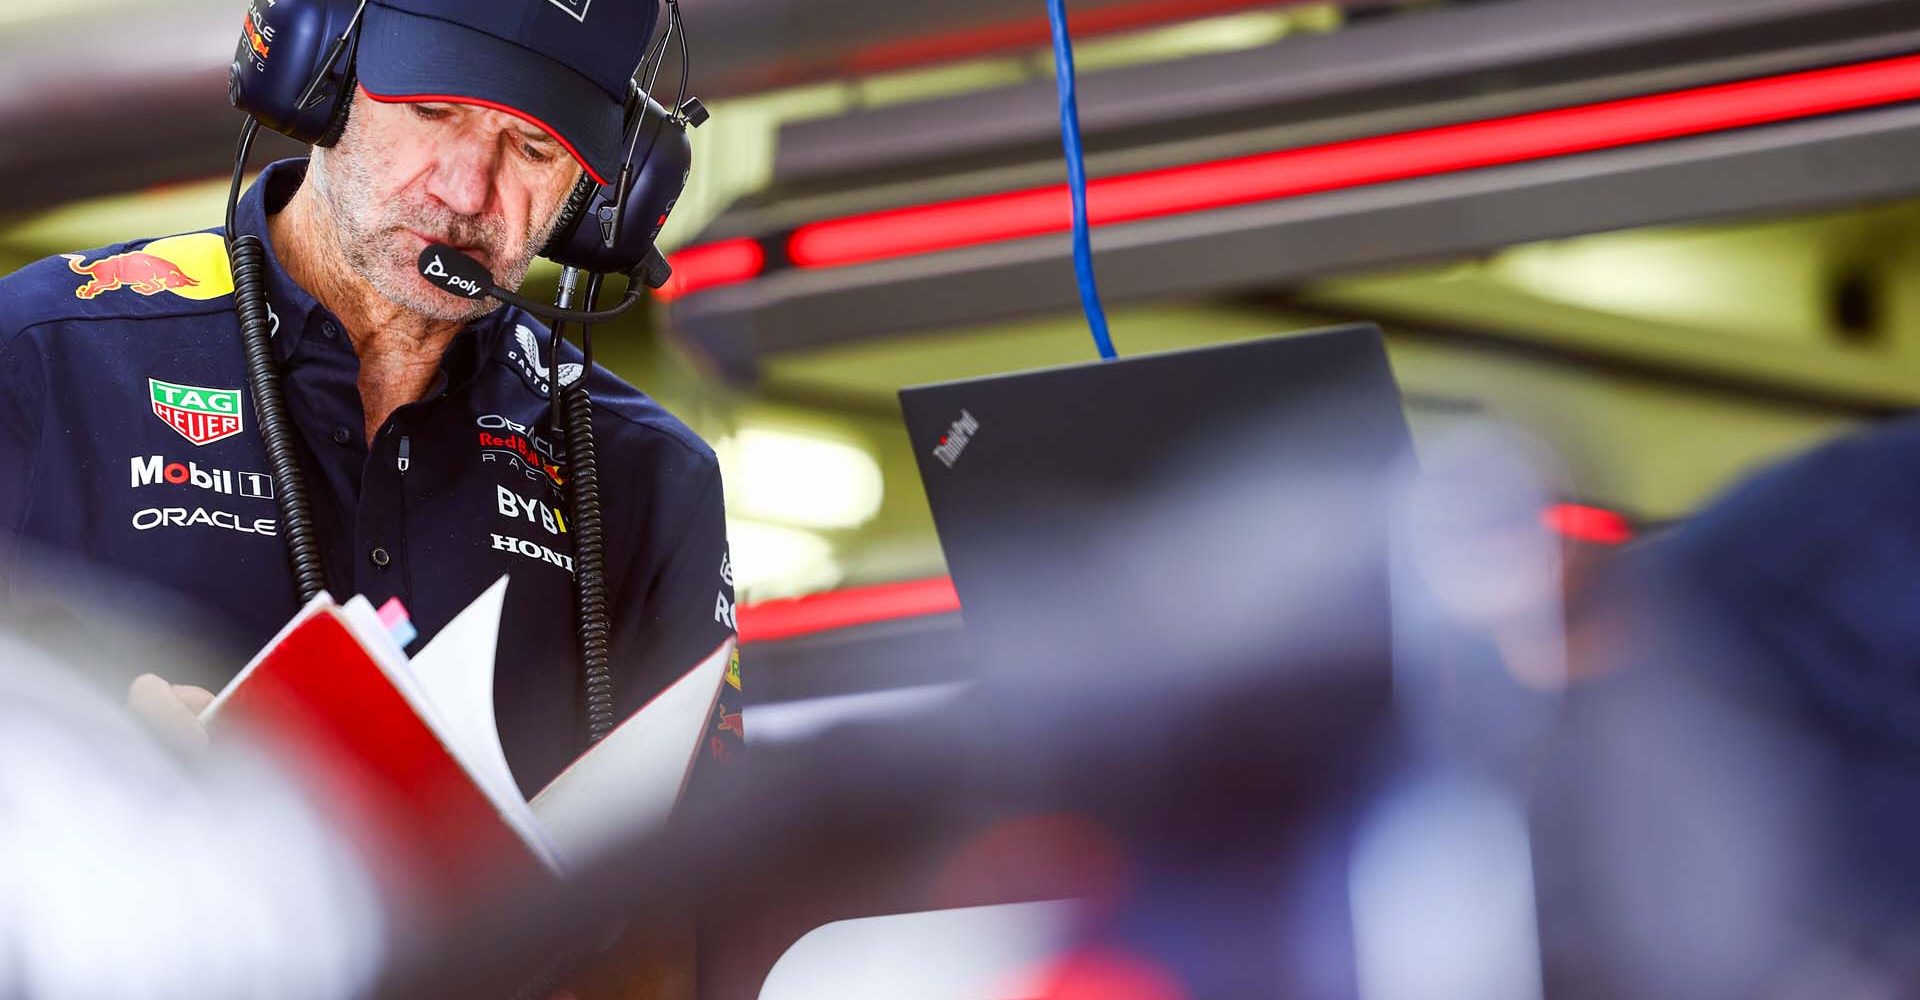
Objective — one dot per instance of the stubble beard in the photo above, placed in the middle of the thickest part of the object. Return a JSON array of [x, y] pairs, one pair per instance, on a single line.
[[372, 235]]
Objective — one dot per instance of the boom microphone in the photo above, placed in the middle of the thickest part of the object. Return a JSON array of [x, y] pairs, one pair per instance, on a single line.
[[458, 274]]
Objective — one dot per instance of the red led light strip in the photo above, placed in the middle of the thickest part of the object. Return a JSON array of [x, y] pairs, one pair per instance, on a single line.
[[1587, 524], [787, 619], [724, 263], [973, 221], [1287, 173]]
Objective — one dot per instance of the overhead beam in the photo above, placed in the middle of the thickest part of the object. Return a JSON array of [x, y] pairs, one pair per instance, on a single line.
[[1799, 166], [1393, 73]]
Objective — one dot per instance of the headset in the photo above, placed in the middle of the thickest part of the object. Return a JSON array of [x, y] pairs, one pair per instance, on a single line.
[[293, 72], [304, 87]]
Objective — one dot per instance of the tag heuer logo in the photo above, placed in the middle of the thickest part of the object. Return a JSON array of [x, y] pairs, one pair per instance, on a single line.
[[578, 8], [201, 415]]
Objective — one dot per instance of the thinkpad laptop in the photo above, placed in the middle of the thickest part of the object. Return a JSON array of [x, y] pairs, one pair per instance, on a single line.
[[1148, 483]]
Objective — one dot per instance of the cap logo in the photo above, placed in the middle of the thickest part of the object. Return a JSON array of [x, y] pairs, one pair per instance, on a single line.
[[577, 8]]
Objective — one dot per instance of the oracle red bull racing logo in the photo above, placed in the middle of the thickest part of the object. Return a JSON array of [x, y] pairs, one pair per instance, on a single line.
[[258, 33], [192, 266], [521, 446], [199, 414]]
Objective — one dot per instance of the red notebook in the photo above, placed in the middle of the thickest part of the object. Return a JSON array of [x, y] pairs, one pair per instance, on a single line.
[[405, 754]]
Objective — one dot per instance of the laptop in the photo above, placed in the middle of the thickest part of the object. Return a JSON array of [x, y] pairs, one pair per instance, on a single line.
[[1159, 487]]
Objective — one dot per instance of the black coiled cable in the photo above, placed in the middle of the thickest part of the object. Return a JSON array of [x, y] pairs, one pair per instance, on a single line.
[[249, 261], [589, 552], [589, 562]]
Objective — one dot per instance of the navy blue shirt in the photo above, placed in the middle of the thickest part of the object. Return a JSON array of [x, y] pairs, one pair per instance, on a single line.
[[130, 438]]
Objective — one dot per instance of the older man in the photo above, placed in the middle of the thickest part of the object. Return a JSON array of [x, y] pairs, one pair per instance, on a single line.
[[130, 437]]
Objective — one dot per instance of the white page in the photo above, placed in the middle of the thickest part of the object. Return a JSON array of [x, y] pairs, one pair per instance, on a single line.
[[449, 686], [454, 675], [629, 783], [455, 672]]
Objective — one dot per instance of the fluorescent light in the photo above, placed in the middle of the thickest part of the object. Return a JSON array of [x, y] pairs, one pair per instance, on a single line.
[[771, 560], [797, 479]]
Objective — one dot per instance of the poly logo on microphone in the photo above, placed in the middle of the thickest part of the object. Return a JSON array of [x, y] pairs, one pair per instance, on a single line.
[[453, 282], [578, 8]]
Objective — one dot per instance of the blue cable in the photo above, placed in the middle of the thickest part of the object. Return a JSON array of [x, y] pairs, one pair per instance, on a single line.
[[1077, 178]]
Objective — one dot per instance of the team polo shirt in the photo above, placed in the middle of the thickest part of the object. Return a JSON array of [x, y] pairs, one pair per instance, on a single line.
[[133, 451]]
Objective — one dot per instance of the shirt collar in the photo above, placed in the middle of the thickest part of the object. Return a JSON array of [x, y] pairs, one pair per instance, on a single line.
[[295, 310], [292, 307]]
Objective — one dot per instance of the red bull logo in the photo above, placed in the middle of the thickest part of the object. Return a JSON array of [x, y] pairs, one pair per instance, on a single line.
[[143, 272], [193, 266]]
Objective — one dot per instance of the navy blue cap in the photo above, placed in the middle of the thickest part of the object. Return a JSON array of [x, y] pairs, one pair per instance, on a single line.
[[562, 65]]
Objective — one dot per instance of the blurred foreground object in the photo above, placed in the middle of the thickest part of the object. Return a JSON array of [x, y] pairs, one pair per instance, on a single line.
[[1183, 768], [127, 872], [1729, 805], [1233, 803]]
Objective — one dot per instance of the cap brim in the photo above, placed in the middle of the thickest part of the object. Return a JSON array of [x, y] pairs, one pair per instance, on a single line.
[[410, 58]]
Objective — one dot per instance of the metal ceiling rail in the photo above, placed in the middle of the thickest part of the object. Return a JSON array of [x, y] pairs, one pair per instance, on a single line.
[[1377, 84], [764, 44], [1293, 172], [1388, 74], [1799, 165]]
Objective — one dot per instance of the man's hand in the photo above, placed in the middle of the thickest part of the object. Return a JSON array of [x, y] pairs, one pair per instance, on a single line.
[[173, 710]]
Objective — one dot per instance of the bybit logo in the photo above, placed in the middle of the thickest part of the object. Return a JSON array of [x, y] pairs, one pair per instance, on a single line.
[[954, 441]]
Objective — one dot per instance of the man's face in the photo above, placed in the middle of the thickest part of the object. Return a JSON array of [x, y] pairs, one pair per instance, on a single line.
[[405, 175]]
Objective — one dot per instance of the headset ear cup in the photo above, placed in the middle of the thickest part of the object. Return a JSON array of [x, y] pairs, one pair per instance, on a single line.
[[303, 35], [577, 200], [337, 127]]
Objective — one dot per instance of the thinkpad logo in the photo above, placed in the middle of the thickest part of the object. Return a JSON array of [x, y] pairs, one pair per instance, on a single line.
[[577, 8], [954, 441]]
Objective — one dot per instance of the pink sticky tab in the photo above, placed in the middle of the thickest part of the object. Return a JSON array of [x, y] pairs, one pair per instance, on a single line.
[[393, 613]]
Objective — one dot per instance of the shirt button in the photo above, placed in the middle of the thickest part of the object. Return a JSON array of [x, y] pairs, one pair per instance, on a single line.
[[341, 435], [379, 556], [330, 330]]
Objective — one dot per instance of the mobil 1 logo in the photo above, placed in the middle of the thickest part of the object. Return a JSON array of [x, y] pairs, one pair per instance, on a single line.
[[156, 470]]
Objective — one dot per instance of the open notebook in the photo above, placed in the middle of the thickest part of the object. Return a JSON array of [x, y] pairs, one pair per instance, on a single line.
[[407, 755]]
